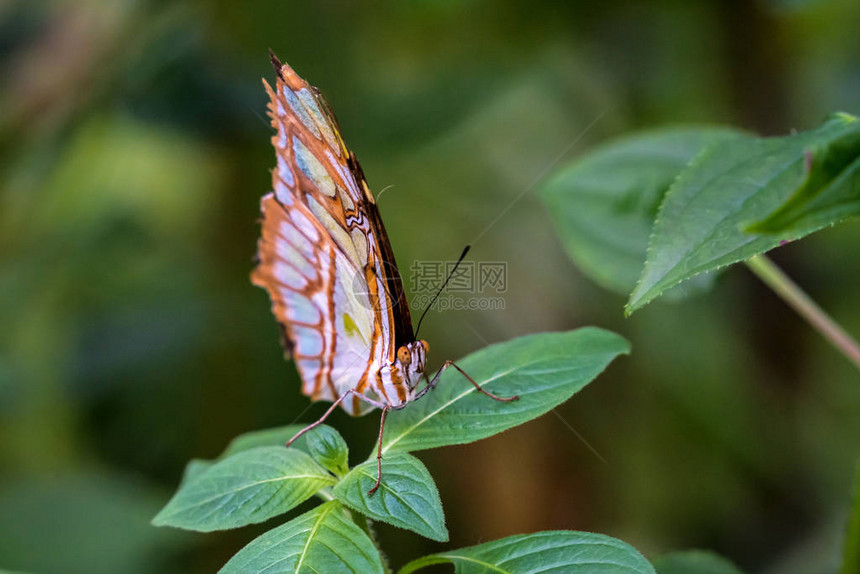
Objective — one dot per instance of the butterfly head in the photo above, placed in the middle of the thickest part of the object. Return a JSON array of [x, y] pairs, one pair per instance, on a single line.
[[411, 360]]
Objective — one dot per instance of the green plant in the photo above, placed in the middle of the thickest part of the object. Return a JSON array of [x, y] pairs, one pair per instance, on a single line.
[[690, 201], [662, 212], [256, 478]]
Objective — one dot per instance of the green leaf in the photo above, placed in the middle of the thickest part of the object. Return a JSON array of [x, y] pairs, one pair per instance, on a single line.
[[851, 552], [327, 447], [321, 540], [694, 562], [604, 204], [702, 219], [324, 444], [194, 467], [407, 496], [558, 551], [830, 191], [248, 487], [544, 370], [277, 436]]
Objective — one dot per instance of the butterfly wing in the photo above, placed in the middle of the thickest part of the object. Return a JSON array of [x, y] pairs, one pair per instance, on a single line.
[[324, 256]]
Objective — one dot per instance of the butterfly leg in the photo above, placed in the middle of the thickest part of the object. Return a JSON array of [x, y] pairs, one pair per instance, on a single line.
[[379, 452], [431, 384], [384, 408], [322, 418]]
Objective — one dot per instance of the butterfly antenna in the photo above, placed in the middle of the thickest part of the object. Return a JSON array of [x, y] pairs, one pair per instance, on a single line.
[[384, 189], [442, 288]]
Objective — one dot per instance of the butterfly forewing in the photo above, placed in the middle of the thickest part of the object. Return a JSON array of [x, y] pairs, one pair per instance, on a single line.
[[324, 256]]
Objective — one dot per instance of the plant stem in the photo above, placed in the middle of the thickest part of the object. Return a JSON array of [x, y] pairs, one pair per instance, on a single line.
[[325, 494], [788, 290]]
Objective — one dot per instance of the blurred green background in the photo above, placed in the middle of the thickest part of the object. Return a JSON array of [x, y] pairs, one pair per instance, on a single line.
[[133, 152]]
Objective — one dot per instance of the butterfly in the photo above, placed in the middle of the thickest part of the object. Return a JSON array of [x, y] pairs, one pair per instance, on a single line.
[[325, 259]]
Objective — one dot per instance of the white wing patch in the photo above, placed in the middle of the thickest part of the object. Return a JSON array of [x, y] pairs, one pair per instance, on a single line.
[[329, 322]]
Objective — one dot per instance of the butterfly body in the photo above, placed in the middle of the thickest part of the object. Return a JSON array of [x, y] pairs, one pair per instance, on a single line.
[[325, 259], [326, 262]]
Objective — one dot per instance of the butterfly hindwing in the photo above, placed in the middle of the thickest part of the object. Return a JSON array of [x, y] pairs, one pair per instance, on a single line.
[[328, 328]]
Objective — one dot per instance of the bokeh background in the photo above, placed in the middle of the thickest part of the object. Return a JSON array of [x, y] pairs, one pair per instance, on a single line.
[[133, 152]]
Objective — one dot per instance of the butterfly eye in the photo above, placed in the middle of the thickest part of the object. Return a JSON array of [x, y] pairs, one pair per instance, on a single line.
[[403, 355]]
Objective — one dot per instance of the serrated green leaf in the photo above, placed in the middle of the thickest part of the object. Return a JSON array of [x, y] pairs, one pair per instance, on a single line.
[[544, 370], [702, 219], [326, 446], [277, 436], [246, 488], [194, 467], [321, 540], [323, 443], [694, 562], [555, 551], [407, 496], [851, 550], [604, 204], [830, 192]]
